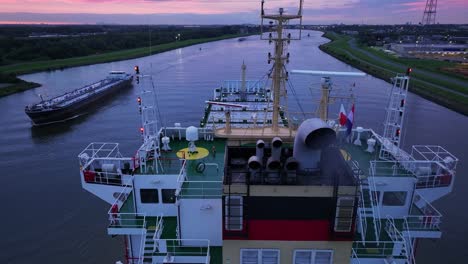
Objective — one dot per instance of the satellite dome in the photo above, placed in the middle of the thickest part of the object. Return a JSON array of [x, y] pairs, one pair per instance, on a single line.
[[191, 133]]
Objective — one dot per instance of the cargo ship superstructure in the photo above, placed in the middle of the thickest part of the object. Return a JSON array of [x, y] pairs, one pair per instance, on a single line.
[[235, 191]]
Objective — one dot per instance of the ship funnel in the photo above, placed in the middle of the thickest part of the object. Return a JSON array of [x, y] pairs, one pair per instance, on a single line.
[[260, 150], [312, 136]]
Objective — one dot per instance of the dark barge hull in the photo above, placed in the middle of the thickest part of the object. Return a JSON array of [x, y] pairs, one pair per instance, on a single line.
[[65, 113]]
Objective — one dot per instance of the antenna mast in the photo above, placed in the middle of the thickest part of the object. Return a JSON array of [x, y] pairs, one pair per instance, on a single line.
[[429, 16], [277, 23]]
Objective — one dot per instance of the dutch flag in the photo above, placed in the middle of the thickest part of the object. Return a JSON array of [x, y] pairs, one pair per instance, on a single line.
[[342, 116], [350, 121]]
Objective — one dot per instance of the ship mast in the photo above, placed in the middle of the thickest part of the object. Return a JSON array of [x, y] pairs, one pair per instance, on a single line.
[[278, 22]]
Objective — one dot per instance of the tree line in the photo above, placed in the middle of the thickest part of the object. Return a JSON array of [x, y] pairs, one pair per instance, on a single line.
[[25, 43]]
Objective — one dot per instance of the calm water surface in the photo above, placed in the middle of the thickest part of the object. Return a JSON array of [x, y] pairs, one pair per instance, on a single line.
[[47, 217]]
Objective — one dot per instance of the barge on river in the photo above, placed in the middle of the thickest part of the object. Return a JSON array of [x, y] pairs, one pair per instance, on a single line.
[[71, 104]]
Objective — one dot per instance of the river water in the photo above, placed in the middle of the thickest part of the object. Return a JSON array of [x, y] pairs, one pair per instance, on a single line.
[[48, 218]]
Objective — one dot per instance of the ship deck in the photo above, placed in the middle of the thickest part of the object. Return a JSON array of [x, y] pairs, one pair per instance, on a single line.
[[204, 170], [384, 168]]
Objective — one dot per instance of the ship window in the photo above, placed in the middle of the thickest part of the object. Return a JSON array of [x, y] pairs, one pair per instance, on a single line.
[[168, 195], [344, 214], [394, 198], [313, 256], [259, 256], [149, 195], [233, 213]]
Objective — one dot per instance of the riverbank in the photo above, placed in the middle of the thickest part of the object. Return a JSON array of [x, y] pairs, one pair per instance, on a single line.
[[49, 65], [9, 84], [443, 91]]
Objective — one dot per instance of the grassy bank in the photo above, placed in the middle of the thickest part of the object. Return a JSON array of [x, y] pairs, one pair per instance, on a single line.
[[17, 86], [37, 66], [425, 86]]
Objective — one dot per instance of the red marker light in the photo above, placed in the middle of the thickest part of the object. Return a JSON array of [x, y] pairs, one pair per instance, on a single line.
[[408, 71], [142, 130], [139, 100], [397, 133]]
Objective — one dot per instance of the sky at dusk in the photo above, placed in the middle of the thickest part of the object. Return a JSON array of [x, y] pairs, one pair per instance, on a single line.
[[222, 11]]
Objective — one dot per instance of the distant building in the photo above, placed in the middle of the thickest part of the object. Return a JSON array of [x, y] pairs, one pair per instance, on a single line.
[[404, 49], [460, 40], [350, 32]]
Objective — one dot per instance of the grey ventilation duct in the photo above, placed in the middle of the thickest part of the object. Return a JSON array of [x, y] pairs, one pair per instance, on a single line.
[[276, 144], [260, 149], [254, 168], [291, 164], [273, 164], [254, 163], [312, 136]]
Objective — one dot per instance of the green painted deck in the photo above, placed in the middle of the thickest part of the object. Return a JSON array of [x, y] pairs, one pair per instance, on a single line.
[[206, 184], [384, 169]]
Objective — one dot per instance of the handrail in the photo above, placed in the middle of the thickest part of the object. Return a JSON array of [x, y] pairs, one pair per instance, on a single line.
[[118, 200], [430, 218], [374, 248], [206, 191], [177, 243], [409, 242], [396, 236], [374, 202], [158, 231], [141, 256], [354, 256]]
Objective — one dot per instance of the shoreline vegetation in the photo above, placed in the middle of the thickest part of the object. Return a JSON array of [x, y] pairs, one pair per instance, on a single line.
[[440, 91], [8, 73]]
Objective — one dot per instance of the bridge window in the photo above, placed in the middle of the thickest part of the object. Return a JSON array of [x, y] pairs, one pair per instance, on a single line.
[[313, 256], [394, 198], [259, 256], [168, 195], [149, 196]]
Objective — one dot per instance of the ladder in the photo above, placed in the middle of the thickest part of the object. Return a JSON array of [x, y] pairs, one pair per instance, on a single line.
[[149, 127], [395, 115]]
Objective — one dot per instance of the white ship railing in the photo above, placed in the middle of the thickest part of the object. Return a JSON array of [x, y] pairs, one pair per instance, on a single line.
[[185, 248], [429, 218], [355, 257], [374, 202], [429, 174], [234, 86], [118, 219], [197, 188], [182, 175], [99, 150], [400, 247], [361, 205], [101, 162], [141, 255], [158, 232], [409, 243], [375, 249]]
